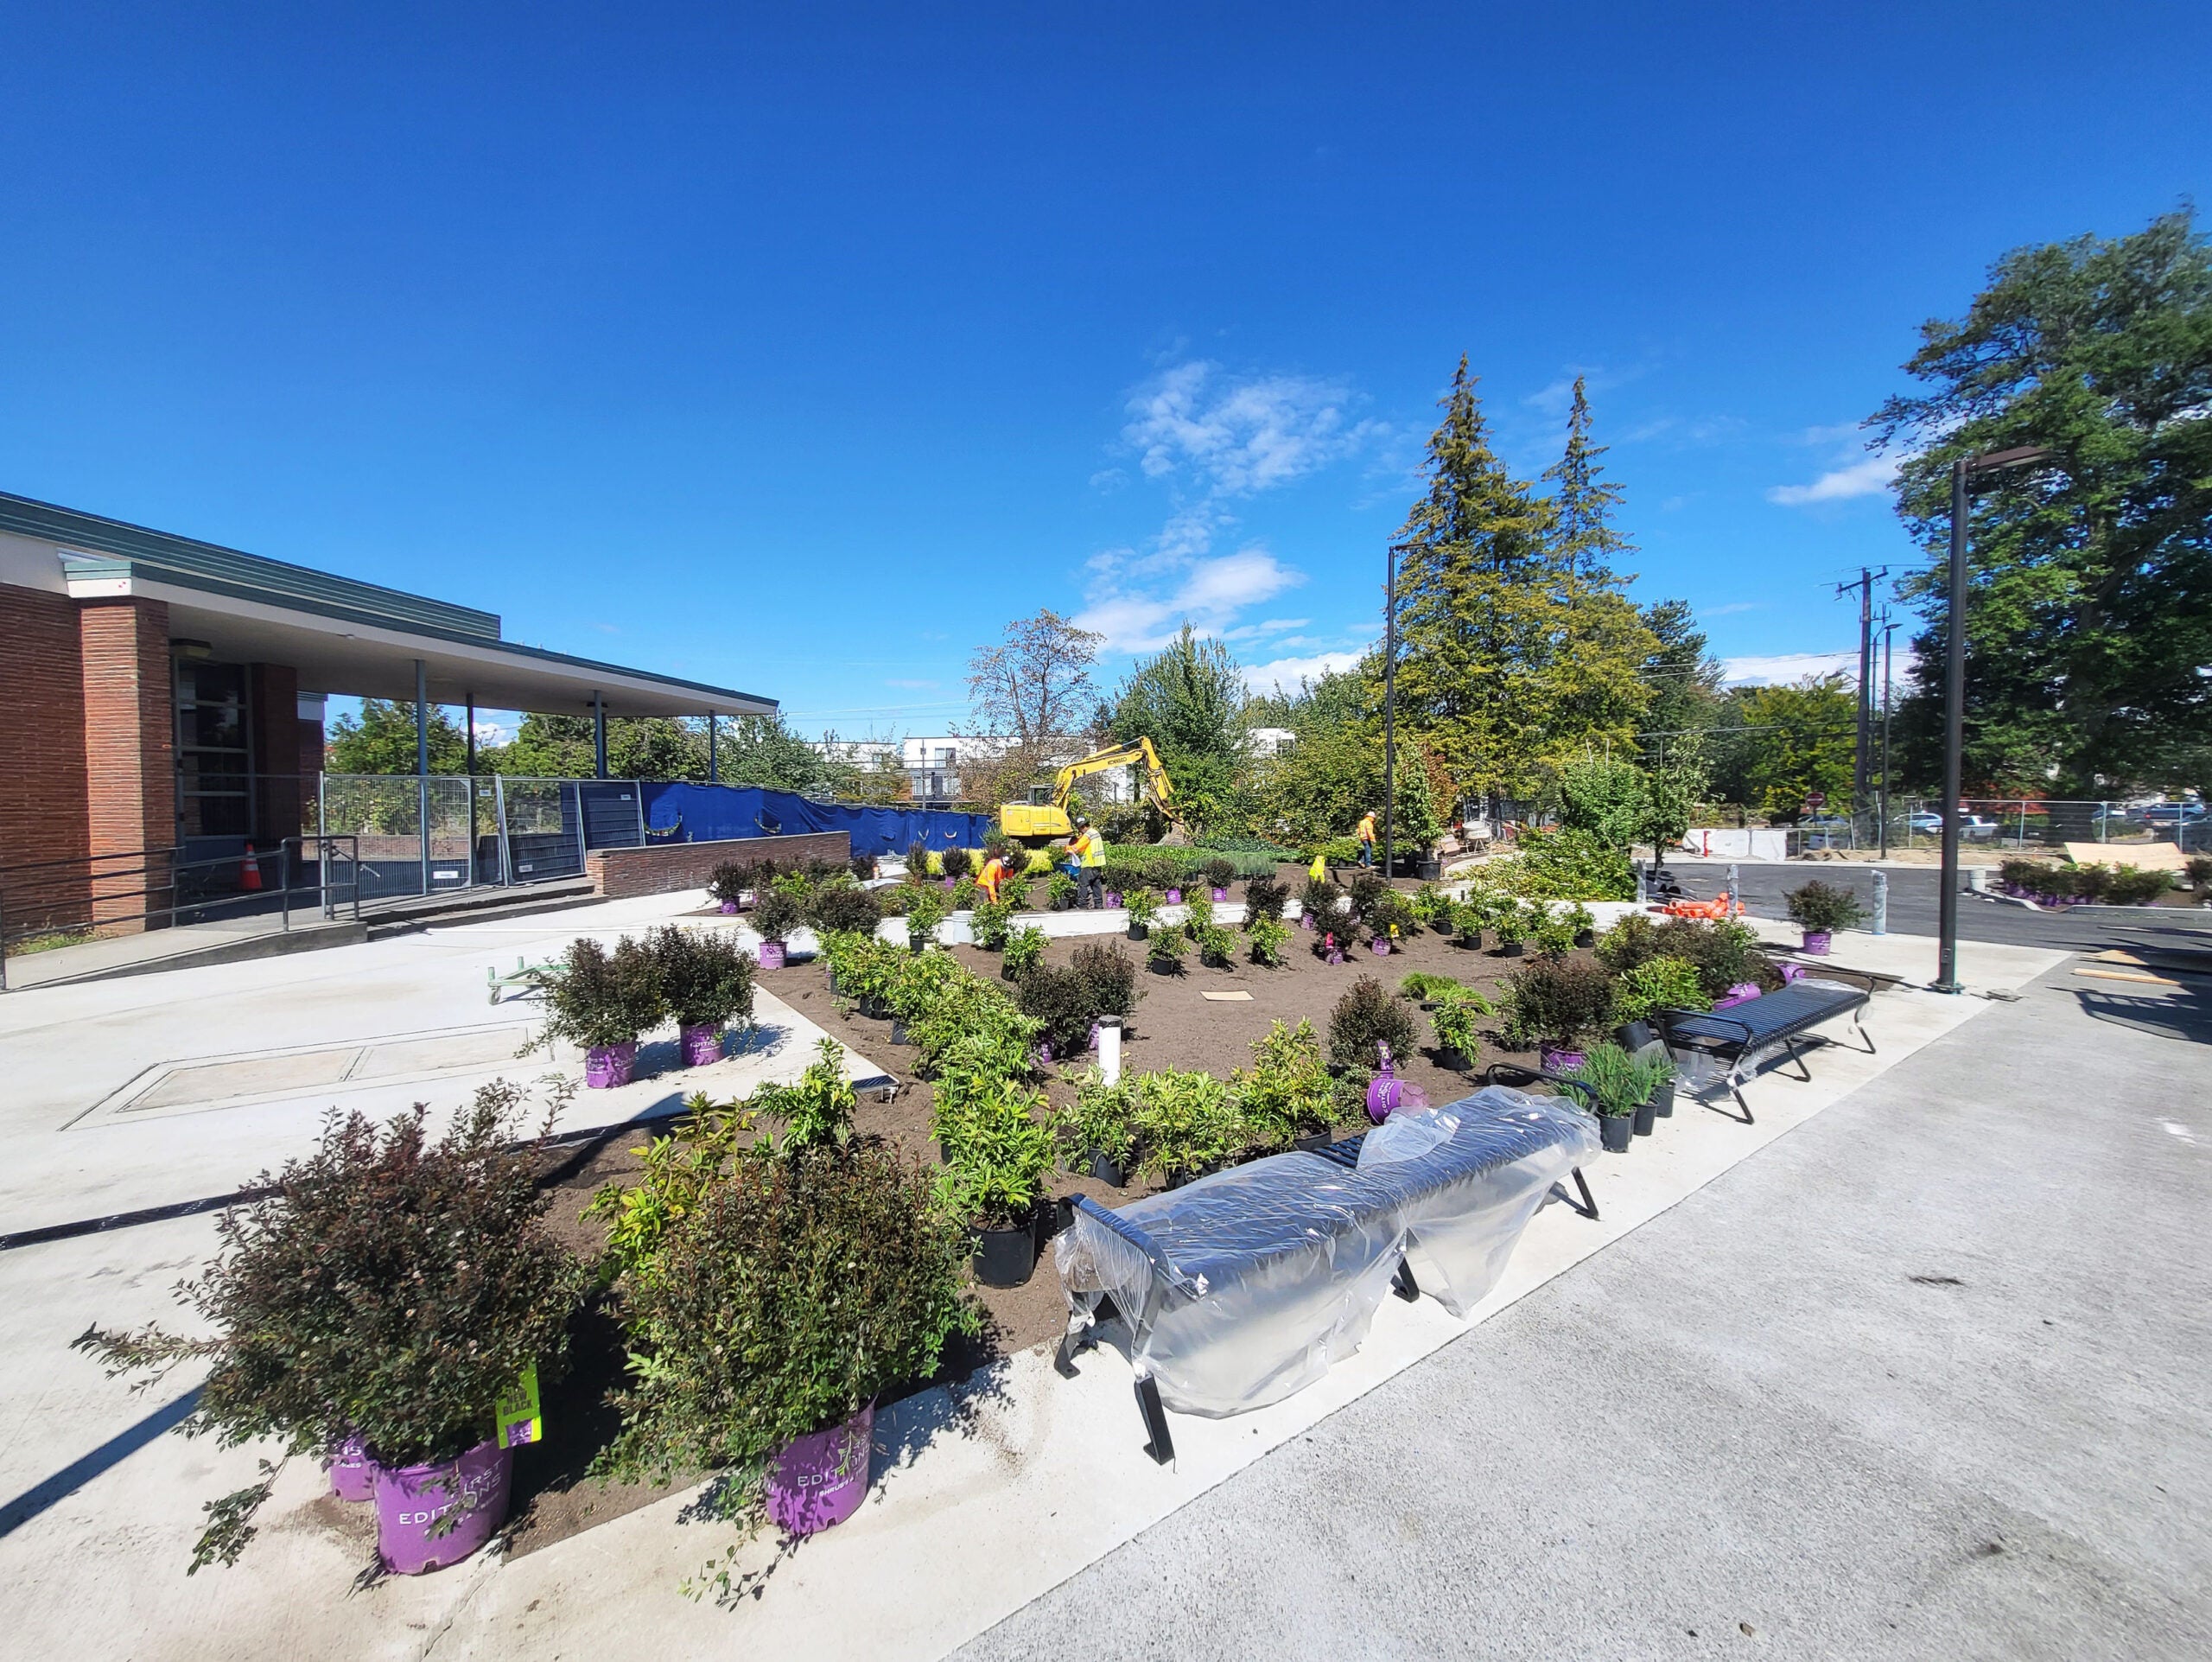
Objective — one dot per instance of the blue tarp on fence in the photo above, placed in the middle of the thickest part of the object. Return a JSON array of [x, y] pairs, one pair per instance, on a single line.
[[710, 813]]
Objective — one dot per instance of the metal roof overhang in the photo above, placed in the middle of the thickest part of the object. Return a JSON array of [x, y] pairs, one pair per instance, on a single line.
[[356, 657]]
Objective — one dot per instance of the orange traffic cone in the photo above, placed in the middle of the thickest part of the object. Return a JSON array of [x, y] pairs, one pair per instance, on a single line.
[[249, 872]]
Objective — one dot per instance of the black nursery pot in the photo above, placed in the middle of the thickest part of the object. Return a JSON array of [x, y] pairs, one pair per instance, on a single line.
[[1453, 1061], [1633, 1035], [1644, 1118], [1617, 1129], [1107, 1169], [1508, 949], [1138, 931], [1004, 1257], [898, 1031], [1662, 1101], [1586, 937], [1165, 965]]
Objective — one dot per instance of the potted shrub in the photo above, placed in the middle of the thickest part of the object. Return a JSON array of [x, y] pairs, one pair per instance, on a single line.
[[953, 863], [1059, 891], [1367, 1018], [705, 979], [1511, 927], [602, 1001], [1467, 920], [1287, 1094], [1552, 931], [1457, 1018], [391, 1293], [843, 907], [996, 1154], [1055, 996], [1655, 984], [1025, 951], [1109, 982], [1216, 945], [928, 909], [1820, 909], [1619, 1085], [1164, 952], [991, 923], [1557, 1003], [1187, 1124], [1264, 897], [1219, 874], [1144, 906], [1117, 881], [1317, 901], [918, 861], [1585, 923], [1099, 1128], [728, 886], [773, 1313], [1387, 918], [862, 866], [775, 914], [1270, 937]]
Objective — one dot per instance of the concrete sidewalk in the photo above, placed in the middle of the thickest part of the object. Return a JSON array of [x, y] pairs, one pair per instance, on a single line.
[[1927, 1378]]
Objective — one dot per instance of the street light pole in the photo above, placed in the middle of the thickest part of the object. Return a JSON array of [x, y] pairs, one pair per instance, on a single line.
[[1954, 698], [1389, 703], [1888, 630]]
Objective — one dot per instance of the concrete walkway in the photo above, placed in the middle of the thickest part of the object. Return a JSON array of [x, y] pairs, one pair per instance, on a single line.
[[1926, 1378]]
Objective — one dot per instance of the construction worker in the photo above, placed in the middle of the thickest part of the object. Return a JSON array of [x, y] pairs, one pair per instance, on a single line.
[[1366, 835], [996, 870], [1089, 850]]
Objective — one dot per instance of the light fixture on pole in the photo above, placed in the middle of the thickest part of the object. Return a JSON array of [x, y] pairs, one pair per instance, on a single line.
[[1954, 695]]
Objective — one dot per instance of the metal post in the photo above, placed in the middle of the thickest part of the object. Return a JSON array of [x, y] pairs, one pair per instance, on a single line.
[[1889, 629], [1955, 702], [422, 763], [499, 814], [1860, 758], [1389, 703], [1881, 903], [321, 838], [598, 736], [472, 790], [1734, 901], [714, 762]]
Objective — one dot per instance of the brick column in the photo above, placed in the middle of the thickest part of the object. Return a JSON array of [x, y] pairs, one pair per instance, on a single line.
[[129, 753]]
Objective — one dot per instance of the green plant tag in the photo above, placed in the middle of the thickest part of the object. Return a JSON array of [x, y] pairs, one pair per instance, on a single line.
[[518, 1417]]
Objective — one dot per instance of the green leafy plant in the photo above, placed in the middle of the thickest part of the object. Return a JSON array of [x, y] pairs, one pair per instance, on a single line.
[[817, 1110], [1060, 890], [1167, 946], [598, 998], [1102, 1120], [1725, 954], [1287, 1093], [964, 891], [1823, 908], [1554, 933], [1457, 1018], [1186, 1123], [2137, 886], [1025, 951], [1422, 983], [1512, 923], [1143, 906], [1657, 983], [676, 1171], [1364, 1018], [1429, 905], [392, 1287], [1559, 1000], [1468, 922], [1584, 921], [704, 979], [1270, 941], [996, 1152], [1388, 917], [801, 1288], [2198, 870], [1216, 945], [992, 922], [1197, 916], [924, 913]]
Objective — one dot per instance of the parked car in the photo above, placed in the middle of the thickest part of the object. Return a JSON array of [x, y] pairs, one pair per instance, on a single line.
[[1973, 827], [1926, 822], [2173, 813]]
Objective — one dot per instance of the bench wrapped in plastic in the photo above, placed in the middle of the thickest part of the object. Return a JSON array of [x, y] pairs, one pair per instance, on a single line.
[[1242, 1287]]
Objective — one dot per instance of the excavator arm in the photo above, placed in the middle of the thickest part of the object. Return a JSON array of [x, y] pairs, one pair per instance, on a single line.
[[1038, 820]]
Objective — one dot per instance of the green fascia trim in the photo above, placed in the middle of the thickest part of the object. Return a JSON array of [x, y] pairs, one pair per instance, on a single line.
[[136, 551]]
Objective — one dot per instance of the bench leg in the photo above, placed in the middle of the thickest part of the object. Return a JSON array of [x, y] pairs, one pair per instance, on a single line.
[[1863, 1033], [1798, 1057], [1587, 1205], [1162, 1446], [1403, 1283], [1736, 1089], [1073, 1343]]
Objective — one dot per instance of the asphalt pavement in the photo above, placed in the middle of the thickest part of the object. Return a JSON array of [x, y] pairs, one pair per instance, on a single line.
[[1924, 1379]]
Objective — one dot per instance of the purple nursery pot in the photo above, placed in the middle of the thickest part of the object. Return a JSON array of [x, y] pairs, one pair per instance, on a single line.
[[608, 1066], [817, 1481], [1791, 971], [353, 1473], [414, 1501], [1306, 922], [1382, 948], [1174, 897], [771, 955], [1742, 993], [1559, 1061], [729, 909], [1817, 942], [1219, 896], [1113, 899], [702, 1044]]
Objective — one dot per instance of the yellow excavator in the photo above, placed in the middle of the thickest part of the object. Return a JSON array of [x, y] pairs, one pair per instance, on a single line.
[[1045, 816]]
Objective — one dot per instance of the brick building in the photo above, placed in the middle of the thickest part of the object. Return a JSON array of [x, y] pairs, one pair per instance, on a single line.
[[161, 700]]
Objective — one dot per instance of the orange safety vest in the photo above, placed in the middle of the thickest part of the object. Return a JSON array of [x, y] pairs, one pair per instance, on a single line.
[[994, 873], [1366, 832]]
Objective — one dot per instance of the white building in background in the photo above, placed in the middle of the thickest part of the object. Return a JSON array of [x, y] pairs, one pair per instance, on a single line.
[[1270, 741]]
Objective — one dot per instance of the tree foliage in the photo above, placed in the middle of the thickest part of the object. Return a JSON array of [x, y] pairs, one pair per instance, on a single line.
[[2091, 611], [1034, 686], [382, 740], [1188, 698], [1508, 658], [1779, 743]]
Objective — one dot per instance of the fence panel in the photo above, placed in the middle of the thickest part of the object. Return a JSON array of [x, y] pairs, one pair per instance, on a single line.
[[386, 813]]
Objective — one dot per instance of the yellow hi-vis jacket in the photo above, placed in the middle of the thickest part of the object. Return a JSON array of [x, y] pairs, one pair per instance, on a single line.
[[1090, 848], [1366, 832]]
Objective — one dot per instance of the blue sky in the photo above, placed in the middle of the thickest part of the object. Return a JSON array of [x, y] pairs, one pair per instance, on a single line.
[[797, 349]]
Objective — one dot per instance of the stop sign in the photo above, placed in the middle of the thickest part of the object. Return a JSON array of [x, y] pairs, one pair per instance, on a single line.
[[1816, 799]]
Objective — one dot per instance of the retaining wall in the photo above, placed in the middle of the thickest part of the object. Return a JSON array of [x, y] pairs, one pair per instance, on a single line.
[[618, 874]]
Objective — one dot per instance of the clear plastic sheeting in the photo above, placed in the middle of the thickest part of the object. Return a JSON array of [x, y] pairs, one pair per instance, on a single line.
[[1241, 1288]]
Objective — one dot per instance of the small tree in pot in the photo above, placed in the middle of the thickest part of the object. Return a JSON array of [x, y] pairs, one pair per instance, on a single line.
[[1820, 909], [775, 914], [1457, 1018], [729, 884], [390, 1293], [705, 980], [843, 909], [602, 1001]]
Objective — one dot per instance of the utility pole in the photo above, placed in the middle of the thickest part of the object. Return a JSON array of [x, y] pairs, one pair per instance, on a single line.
[[1889, 629], [1863, 759]]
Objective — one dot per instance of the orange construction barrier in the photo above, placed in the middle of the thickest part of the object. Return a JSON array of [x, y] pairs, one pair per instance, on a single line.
[[249, 872], [1715, 910]]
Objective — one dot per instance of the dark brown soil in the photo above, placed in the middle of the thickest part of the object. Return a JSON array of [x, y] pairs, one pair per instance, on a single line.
[[1176, 1025]]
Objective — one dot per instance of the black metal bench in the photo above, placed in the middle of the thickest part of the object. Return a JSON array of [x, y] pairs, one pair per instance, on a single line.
[[1774, 1021]]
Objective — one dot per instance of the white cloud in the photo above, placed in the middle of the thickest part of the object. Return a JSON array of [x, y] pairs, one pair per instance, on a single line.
[[495, 732], [1212, 594], [1779, 668], [1240, 436], [1288, 672], [1869, 477]]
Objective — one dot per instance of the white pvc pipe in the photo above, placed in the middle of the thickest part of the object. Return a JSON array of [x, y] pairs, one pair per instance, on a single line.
[[1109, 1048]]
